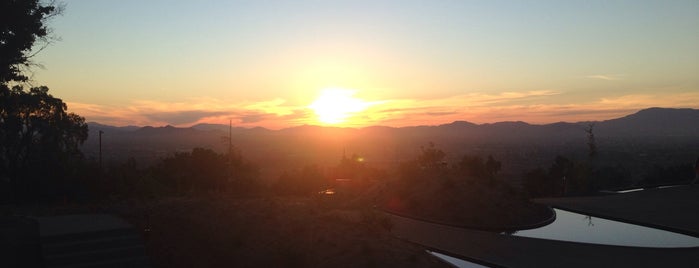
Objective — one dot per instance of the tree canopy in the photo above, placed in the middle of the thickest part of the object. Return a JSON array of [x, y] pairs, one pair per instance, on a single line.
[[39, 139], [22, 23]]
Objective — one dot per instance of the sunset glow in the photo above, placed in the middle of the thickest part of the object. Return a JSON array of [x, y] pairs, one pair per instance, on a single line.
[[408, 63], [335, 105]]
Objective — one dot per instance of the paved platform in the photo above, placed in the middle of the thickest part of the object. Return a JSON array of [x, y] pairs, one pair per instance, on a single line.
[[671, 208]]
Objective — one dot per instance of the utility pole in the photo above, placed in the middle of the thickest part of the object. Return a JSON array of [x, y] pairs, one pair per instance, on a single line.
[[101, 150], [230, 136], [230, 150]]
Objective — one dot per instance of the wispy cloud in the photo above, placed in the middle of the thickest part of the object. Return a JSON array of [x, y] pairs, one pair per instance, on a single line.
[[607, 77], [182, 117], [273, 113], [544, 106]]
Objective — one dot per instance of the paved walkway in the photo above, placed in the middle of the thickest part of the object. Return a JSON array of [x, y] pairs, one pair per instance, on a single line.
[[674, 209], [654, 207]]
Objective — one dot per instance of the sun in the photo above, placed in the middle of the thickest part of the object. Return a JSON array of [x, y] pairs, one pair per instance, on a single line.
[[336, 105]]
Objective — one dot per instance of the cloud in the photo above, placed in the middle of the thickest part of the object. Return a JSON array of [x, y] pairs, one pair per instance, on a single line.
[[607, 77], [275, 113], [676, 100], [542, 106], [182, 117], [532, 107]]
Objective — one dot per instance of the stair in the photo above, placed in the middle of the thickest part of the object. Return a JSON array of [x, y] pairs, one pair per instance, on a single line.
[[90, 240]]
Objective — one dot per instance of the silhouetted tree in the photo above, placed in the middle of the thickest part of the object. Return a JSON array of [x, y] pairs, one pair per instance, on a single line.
[[541, 183], [561, 167], [39, 139], [492, 167], [591, 142], [352, 175], [428, 165], [471, 166], [538, 183], [22, 24], [304, 181], [476, 167], [204, 170], [431, 158]]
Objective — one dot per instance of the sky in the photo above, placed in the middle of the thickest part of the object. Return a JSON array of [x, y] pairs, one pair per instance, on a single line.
[[395, 63]]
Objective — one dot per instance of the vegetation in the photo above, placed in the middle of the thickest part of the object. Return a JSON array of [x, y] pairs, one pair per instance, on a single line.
[[220, 231], [668, 174], [305, 181], [467, 193], [22, 25], [39, 139]]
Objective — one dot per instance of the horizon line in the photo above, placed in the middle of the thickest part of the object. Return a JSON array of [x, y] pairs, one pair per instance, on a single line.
[[386, 126]]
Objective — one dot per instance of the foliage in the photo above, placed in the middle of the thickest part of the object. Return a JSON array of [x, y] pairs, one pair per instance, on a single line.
[[204, 170], [591, 142], [476, 167], [670, 174], [428, 165], [22, 23], [569, 177], [352, 175], [563, 177], [304, 181], [538, 183], [200, 171], [468, 194], [431, 158], [39, 139]]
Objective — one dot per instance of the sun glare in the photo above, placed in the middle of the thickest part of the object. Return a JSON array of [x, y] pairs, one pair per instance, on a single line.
[[336, 105]]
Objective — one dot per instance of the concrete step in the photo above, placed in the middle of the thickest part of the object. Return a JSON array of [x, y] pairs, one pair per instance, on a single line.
[[124, 262], [19, 242], [102, 255], [90, 240], [64, 247]]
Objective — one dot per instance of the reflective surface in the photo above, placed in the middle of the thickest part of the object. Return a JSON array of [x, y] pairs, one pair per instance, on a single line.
[[575, 227]]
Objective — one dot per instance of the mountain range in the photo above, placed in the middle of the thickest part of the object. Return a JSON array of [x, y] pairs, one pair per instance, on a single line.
[[307, 144]]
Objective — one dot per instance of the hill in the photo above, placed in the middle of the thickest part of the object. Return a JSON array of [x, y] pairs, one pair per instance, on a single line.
[[518, 144]]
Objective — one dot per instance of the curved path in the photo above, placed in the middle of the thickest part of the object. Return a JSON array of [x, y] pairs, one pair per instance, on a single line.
[[673, 209], [511, 251]]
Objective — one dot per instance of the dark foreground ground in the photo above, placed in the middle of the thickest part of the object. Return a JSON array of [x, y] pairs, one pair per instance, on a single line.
[[218, 231], [669, 208]]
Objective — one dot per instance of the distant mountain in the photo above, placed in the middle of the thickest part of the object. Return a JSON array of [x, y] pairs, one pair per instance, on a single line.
[[97, 126], [653, 122], [318, 144], [647, 122], [225, 128]]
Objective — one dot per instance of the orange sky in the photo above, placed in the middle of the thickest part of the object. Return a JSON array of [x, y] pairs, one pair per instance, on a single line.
[[265, 63]]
